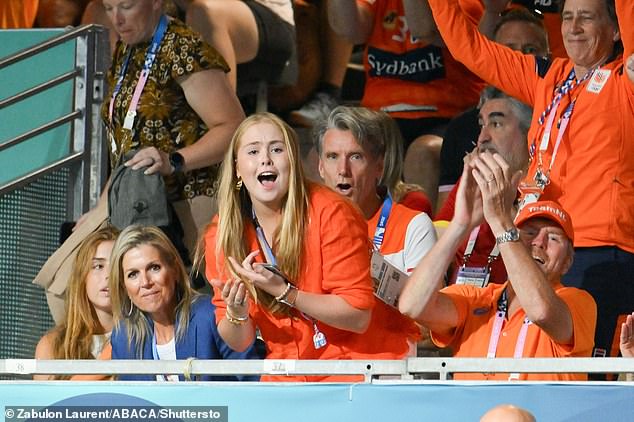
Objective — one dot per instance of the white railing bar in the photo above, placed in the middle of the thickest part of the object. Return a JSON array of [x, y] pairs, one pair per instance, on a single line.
[[39, 88], [45, 127], [205, 367], [30, 177], [524, 365], [370, 368]]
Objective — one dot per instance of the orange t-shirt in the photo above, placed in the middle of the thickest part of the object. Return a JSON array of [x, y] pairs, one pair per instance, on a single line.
[[476, 314], [593, 173], [404, 70], [336, 261], [15, 14]]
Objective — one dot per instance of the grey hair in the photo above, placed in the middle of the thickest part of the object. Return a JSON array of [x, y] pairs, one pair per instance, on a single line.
[[610, 6], [522, 111], [375, 132]]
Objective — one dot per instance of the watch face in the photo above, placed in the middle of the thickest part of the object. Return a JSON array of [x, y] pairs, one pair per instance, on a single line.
[[512, 235], [177, 161]]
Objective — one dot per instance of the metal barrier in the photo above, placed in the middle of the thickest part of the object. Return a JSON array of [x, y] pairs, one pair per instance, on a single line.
[[52, 161], [371, 369]]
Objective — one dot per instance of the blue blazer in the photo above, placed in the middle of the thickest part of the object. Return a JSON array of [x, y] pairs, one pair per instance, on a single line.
[[202, 341]]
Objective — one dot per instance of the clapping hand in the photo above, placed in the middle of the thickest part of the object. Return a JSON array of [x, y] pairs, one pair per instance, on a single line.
[[497, 185], [627, 337], [468, 210]]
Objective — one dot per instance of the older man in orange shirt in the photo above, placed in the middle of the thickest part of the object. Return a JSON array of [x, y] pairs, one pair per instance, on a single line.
[[532, 315]]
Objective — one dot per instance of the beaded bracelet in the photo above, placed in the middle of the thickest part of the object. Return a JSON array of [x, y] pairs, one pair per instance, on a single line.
[[284, 293], [289, 296]]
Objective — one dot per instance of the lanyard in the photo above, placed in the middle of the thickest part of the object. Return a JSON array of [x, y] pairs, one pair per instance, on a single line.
[[264, 244], [150, 55], [156, 356], [473, 238], [498, 323], [541, 176], [379, 233], [319, 339]]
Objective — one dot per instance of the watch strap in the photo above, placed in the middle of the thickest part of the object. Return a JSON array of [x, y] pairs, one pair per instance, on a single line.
[[511, 235]]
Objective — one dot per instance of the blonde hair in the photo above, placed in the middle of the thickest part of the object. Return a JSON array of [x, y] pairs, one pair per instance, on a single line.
[[124, 313], [235, 208], [72, 339]]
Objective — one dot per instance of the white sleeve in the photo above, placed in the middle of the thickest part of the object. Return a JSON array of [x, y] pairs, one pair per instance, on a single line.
[[419, 239]]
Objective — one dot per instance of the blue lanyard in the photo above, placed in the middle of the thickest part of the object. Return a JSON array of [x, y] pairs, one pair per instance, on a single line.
[[379, 233], [147, 64], [155, 354], [268, 252]]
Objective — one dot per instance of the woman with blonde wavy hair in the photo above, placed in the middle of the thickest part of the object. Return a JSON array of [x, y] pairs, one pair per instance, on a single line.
[[88, 321], [288, 257], [157, 314]]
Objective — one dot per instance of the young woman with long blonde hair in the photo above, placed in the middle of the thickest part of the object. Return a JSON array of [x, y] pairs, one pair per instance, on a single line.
[[288, 257]]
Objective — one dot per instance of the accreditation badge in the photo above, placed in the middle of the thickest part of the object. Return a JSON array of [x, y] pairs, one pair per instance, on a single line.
[[598, 80], [529, 193], [388, 280], [113, 143], [474, 276]]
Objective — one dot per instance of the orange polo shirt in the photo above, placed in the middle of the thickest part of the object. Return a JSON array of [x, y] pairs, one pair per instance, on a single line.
[[476, 314], [593, 173], [336, 261]]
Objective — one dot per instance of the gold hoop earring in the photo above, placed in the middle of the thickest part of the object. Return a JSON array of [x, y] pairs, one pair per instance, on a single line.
[[238, 185]]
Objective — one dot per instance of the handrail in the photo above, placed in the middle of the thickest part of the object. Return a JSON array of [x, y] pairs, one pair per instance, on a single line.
[[45, 45], [25, 180], [73, 34], [369, 369], [39, 88], [41, 129]]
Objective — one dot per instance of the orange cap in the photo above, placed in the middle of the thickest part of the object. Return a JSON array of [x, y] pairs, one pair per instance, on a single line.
[[550, 210]]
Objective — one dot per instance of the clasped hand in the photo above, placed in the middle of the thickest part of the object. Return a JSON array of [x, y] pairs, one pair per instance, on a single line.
[[487, 189], [259, 275]]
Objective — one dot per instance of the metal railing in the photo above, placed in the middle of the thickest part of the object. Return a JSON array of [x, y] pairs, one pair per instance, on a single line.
[[370, 369], [87, 146], [53, 159]]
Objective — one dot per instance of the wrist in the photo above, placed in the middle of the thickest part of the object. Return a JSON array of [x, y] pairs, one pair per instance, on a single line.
[[458, 229], [235, 319], [177, 163], [510, 235], [288, 296], [501, 225]]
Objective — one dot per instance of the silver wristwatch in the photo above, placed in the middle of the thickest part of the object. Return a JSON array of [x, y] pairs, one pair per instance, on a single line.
[[511, 235]]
